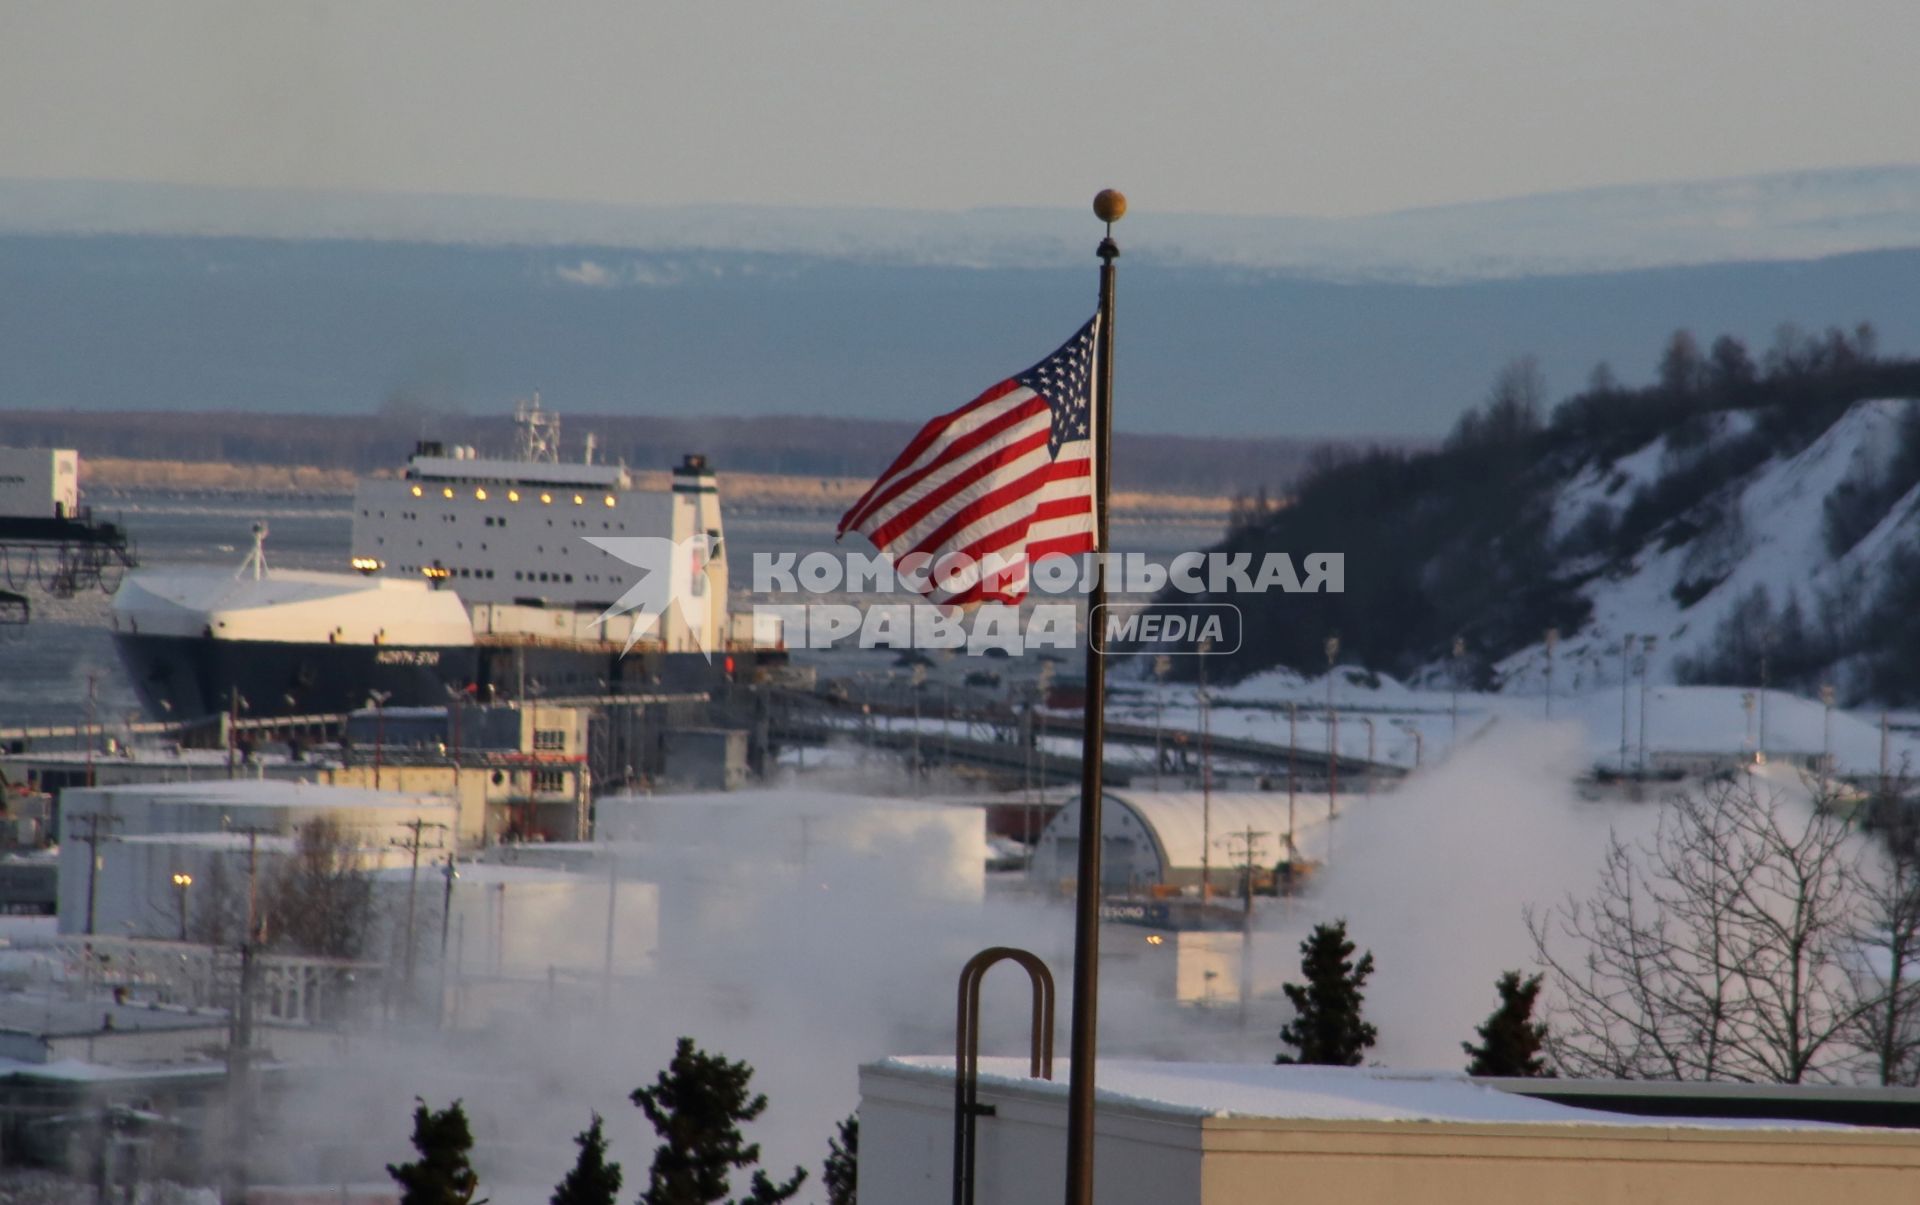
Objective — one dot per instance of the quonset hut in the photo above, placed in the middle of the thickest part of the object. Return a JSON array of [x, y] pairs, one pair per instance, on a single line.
[[1163, 842]]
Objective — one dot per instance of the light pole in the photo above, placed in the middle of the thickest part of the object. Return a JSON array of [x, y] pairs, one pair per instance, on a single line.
[[1206, 780], [1459, 652], [181, 882], [1760, 749], [1333, 733], [1646, 666], [1626, 658], [379, 700], [1552, 640], [1826, 740]]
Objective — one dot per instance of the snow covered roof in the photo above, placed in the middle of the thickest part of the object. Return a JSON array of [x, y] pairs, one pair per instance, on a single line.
[[1181, 820], [269, 793], [772, 799], [1266, 1091]]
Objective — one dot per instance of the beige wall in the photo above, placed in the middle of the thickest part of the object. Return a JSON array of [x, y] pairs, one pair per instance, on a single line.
[[1250, 1162], [1155, 1155]]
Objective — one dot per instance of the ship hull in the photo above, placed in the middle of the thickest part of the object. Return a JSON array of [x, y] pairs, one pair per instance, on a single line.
[[182, 677]]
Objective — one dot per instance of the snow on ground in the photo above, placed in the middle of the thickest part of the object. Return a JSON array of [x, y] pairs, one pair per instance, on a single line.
[[1678, 720]]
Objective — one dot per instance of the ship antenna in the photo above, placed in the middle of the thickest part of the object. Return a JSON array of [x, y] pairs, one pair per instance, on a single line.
[[257, 559], [539, 431]]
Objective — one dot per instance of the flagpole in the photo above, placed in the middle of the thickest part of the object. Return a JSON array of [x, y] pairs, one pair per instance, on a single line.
[[1109, 206]]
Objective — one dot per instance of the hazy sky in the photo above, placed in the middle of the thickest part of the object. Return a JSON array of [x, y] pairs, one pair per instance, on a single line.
[[1217, 105]]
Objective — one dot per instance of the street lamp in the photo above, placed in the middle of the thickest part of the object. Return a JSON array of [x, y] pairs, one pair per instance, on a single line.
[[181, 882]]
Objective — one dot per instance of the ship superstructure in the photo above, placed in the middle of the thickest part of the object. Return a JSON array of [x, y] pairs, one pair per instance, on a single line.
[[470, 576]]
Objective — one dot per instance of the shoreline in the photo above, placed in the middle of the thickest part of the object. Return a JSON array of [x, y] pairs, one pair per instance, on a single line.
[[763, 491]]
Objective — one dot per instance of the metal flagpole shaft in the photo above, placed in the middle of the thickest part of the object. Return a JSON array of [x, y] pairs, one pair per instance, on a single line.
[[1109, 206]]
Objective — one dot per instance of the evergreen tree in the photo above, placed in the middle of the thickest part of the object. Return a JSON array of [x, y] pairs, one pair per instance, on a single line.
[[842, 1172], [1511, 1039], [442, 1174], [1326, 1028], [593, 1181], [697, 1106]]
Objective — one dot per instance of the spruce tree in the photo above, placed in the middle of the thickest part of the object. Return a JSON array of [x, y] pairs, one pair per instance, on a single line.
[[593, 1181], [842, 1171], [1326, 1028], [697, 1106], [1510, 1040], [442, 1174]]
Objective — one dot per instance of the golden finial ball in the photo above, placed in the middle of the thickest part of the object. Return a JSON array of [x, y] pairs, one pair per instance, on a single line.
[[1110, 205]]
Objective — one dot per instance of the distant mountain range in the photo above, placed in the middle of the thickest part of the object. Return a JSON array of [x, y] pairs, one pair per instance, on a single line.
[[1787, 216], [152, 297]]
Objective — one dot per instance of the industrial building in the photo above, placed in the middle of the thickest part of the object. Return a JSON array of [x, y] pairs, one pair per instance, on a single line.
[[1166, 842], [1254, 1134], [126, 845]]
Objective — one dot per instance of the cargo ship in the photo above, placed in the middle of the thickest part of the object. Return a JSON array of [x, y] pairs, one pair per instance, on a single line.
[[467, 577]]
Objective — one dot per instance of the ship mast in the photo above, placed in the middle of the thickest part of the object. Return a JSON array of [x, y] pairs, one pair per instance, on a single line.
[[539, 431], [257, 559]]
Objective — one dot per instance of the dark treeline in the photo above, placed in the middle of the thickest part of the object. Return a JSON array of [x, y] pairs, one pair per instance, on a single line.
[[824, 447], [1457, 541]]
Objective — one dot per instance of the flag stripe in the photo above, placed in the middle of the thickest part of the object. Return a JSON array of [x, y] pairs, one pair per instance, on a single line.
[[922, 441], [959, 488], [1003, 424], [1007, 477]]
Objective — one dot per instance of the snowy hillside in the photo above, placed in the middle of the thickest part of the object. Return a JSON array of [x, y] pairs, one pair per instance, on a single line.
[[1763, 536], [1734, 525]]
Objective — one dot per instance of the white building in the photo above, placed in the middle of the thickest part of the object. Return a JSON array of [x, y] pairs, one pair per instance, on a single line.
[[721, 858], [1169, 839], [148, 833]]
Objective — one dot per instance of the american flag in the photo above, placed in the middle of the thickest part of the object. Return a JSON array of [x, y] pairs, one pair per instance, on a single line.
[[1003, 481]]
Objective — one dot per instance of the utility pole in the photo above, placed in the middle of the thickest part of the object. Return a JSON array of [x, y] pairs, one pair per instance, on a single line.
[[240, 1034], [452, 872], [90, 825], [413, 844], [1249, 839], [379, 700], [92, 681]]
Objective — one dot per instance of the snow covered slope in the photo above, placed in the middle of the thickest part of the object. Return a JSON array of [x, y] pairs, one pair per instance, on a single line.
[[1751, 568]]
